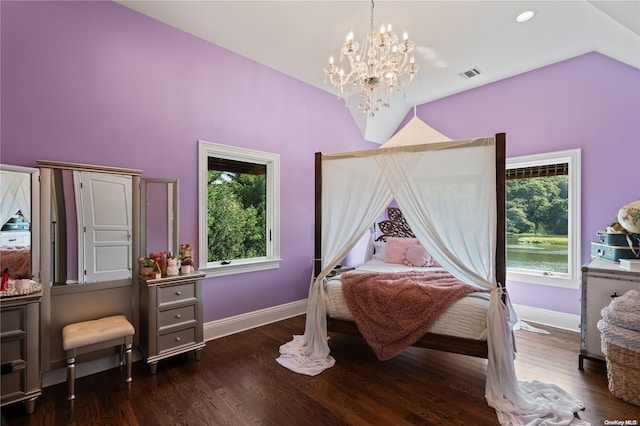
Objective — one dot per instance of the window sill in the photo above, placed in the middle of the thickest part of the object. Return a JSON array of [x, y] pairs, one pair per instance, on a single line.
[[240, 268], [559, 280]]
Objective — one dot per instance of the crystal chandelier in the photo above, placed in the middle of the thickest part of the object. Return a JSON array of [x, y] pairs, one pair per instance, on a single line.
[[382, 65]]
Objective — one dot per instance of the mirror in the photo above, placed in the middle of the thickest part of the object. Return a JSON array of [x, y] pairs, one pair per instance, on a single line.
[[20, 219], [91, 222], [159, 216]]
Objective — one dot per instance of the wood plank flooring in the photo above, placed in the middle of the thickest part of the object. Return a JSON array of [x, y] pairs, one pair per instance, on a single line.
[[238, 382]]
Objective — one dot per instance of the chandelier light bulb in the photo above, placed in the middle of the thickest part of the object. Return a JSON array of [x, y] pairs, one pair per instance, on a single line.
[[405, 36], [350, 36]]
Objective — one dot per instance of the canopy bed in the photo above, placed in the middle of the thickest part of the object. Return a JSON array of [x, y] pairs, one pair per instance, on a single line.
[[452, 196], [454, 325]]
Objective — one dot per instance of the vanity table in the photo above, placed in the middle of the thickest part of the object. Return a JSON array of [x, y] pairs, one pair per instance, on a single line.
[[20, 347], [170, 316]]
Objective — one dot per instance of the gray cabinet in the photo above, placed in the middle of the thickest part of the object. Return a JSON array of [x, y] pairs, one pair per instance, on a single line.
[[20, 349], [601, 280], [170, 317]]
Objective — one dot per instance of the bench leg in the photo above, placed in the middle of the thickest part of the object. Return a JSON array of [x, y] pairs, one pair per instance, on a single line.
[[128, 356], [71, 378]]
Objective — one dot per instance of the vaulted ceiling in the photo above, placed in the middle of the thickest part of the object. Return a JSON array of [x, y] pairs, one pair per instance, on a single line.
[[297, 38]]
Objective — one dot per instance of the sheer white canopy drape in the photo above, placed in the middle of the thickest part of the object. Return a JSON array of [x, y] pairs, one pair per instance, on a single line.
[[358, 186], [447, 193], [15, 190]]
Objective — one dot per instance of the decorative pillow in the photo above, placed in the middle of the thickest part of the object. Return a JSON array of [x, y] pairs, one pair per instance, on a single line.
[[417, 256], [396, 247], [379, 250]]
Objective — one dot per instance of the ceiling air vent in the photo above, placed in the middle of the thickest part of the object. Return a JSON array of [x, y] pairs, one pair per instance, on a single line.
[[469, 73]]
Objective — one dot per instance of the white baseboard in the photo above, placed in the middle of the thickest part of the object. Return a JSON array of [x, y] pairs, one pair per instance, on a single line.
[[556, 319], [238, 323]]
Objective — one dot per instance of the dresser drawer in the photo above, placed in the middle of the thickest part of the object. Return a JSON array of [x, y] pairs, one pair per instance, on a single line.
[[176, 293], [15, 238], [176, 339], [13, 319], [12, 349], [14, 383], [170, 317]]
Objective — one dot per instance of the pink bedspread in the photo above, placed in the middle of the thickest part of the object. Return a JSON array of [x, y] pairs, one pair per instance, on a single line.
[[393, 310]]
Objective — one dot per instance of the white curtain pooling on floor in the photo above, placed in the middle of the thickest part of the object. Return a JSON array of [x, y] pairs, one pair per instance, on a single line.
[[447, 193]]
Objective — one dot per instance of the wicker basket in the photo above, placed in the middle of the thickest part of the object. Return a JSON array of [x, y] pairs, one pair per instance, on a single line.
[[623, 372]]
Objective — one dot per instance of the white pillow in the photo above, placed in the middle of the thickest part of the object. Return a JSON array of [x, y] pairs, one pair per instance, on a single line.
[[379, 250]]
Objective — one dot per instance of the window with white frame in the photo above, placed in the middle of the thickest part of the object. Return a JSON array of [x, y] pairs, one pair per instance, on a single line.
[[239, 214], [543, 218]]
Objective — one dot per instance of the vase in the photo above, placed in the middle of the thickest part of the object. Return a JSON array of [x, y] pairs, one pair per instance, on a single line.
[[147, 270]]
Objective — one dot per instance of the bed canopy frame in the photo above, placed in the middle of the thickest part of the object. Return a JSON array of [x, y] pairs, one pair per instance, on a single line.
[[397, 226]]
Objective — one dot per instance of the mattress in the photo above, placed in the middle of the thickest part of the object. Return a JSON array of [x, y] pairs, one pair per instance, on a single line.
[[465, 318]]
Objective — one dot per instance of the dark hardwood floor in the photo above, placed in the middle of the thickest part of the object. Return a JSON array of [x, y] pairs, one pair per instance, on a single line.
[[238, 382]]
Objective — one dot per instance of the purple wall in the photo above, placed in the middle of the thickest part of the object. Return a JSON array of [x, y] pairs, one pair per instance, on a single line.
[[97, 83], [589, 102], [94, 82]]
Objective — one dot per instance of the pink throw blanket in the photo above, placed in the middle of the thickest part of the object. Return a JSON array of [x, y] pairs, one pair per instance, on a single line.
[[17, 260], [393, 310]]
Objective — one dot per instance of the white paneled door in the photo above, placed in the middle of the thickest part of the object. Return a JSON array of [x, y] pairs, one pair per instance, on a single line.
[[104, 221]]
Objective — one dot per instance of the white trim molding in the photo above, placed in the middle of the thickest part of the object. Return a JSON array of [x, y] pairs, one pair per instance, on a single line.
[[571, 279], [236, 324], [555, 319]]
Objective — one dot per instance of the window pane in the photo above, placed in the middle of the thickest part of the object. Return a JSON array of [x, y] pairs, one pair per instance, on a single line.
[[537, 224], [236, 210]]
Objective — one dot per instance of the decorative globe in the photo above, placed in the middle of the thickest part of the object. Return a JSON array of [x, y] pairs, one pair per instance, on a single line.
[[629, 217]]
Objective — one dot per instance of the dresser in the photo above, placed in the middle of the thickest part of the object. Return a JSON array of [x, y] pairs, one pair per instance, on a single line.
[[601, 280], [170, 317], [15, 238], [20, 349]]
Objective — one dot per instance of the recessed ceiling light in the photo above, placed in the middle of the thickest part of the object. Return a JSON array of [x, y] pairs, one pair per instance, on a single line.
[[526, 15]]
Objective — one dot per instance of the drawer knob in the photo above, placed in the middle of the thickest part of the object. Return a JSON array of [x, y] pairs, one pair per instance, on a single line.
[[178, 316], [178, 293], [177, 339]]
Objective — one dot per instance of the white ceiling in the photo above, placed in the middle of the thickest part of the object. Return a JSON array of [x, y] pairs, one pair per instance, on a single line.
[[297, 38]]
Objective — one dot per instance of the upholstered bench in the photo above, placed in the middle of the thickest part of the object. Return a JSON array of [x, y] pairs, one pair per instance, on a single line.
[[88, 336]]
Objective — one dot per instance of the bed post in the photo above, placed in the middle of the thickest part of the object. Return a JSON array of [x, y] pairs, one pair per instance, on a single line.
[[501, 260], [317, 263]]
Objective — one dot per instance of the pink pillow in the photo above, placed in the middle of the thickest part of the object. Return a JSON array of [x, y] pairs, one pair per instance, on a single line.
[[417, 256], [396, 248]]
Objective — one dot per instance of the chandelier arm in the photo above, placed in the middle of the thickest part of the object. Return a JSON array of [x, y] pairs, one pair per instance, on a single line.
[[372, 6]]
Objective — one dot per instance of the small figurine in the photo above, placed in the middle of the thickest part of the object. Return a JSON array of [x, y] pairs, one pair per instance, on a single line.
[[172, 267], [5, 280], [187, 266]]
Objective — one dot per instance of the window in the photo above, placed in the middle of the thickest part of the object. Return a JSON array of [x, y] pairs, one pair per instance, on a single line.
[[543, 218], [239, 216]]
